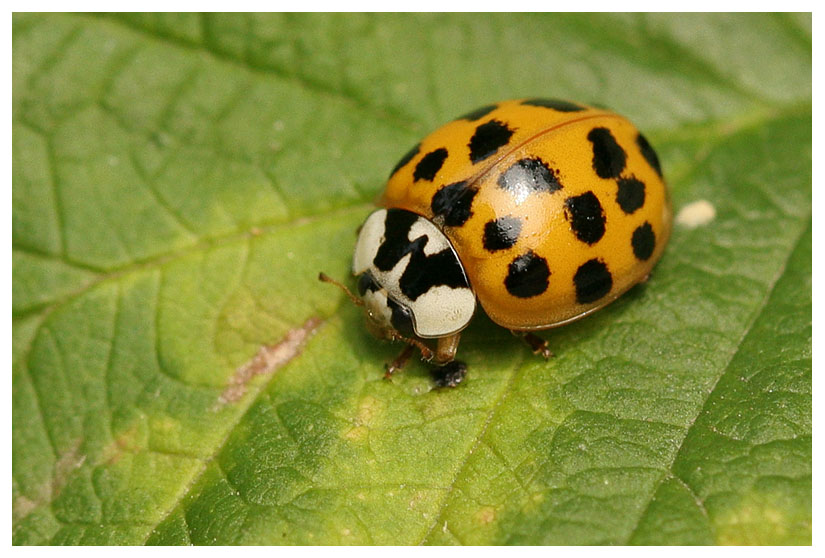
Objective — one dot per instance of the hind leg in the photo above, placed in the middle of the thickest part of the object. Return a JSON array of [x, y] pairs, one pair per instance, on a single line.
[[537, 344]]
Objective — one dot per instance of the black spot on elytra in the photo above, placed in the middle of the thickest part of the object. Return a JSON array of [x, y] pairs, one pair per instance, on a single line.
[[527, 275], [592, 281], [631, 194], [401, 318], [430, 164], [643, 241], [422, 272], [608, 157], [478, 113], [586, 217], [453, 203], [501, 233], [555, 104], [649, 153], [406, 159], [487, 139], [527, 176]]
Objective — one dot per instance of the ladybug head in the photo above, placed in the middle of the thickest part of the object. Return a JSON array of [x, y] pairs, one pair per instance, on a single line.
[[410, 278]]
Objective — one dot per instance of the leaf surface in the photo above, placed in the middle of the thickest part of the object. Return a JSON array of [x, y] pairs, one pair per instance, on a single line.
[[180, 377]]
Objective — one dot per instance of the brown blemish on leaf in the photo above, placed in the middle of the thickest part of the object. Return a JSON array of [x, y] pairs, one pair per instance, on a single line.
[[21, 507], [417, 497], [368, 409], [127, 441], [268, 359], [357, 433], [486, 515], [67, 462]]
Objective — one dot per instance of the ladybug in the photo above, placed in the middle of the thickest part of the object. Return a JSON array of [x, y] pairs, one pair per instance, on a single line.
[[542, 211]]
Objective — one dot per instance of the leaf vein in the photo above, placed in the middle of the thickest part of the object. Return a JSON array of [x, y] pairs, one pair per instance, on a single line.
[[383, 114], [230, 429], [734, 351], [506, 390]]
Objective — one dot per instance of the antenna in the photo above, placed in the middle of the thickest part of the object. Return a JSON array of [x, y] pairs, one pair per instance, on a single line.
[[426, 352], [327, 279]]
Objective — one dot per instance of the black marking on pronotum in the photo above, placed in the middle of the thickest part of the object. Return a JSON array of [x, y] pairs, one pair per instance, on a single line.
[[425, 272], [401, 318], [592, 281], [367, 283], [478, 113], [501, 233], [649, 153], [396, 243], [406, 158], [487, 140], [430, 164], [422, 272], [631, 194], [529, 175], [643, 241], [586, 217], [527, 275], [453, 203], [555, 104], [608, 157]]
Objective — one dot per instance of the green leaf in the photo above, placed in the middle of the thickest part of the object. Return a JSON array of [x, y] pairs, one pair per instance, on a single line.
[[179, 375]]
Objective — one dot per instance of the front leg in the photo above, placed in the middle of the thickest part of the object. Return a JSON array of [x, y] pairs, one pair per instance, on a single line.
[[426, 352], [399, 362]]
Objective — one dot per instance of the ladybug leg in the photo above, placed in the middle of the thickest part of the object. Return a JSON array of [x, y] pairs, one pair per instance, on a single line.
[[411, 344], [399, 362], [426, 352], [449, 372], [536, 343], [446, 348]]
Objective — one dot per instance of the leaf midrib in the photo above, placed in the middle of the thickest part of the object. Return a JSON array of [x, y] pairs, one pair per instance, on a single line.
[[500, 398]]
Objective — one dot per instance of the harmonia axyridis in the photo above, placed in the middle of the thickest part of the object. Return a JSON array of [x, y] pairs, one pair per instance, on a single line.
[[542, 210]]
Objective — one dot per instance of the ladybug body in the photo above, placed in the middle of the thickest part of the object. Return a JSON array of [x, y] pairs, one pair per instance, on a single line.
[[542, 210]]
